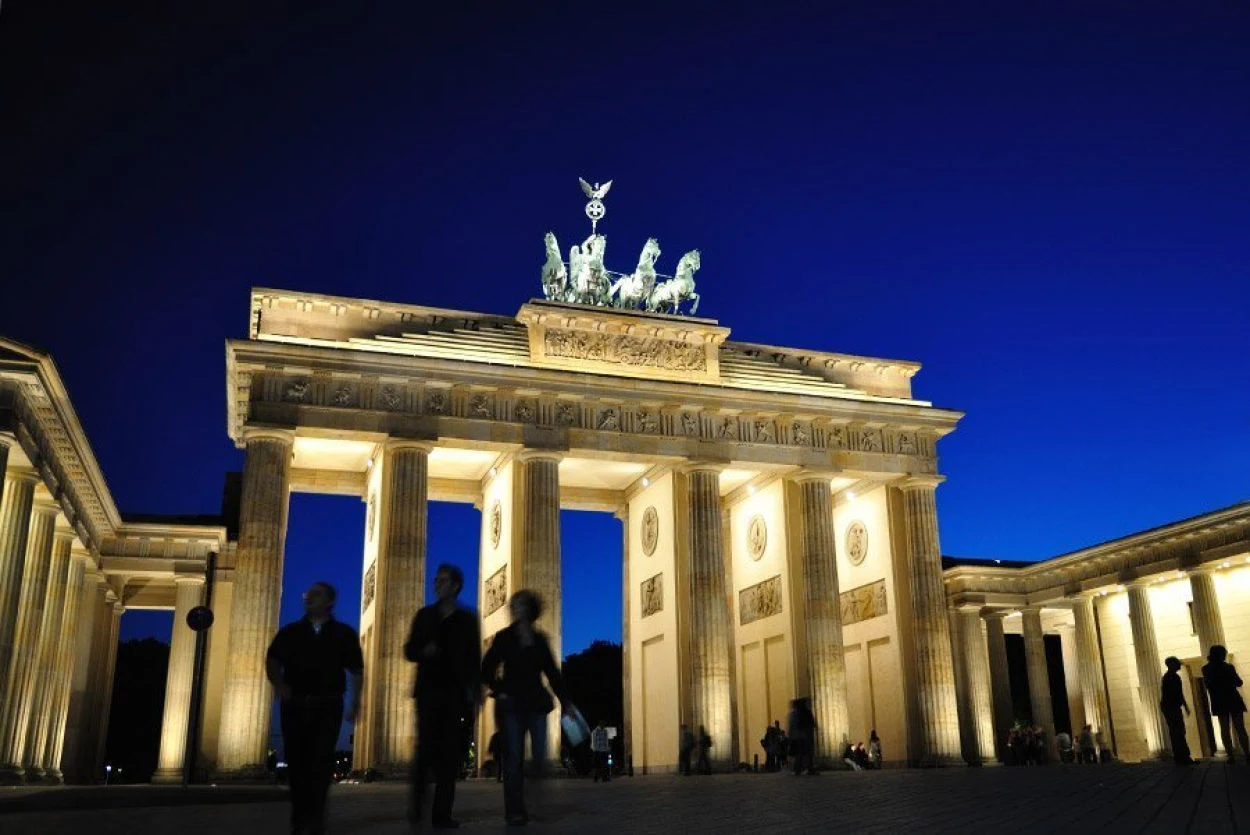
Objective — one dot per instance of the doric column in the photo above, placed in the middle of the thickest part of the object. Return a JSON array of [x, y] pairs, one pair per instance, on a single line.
[[537, 511], [76, 761], [976, 670], [967, 727], [15, 510], [248, 697], [43, 674], [189, 593], [1089, 665], [1207, 620], [1149, 669], [67, 647], [710, 634], [16, 710], [113, 624], [1000, 681], [1039, 677], [400, 593], [825, 662], [938, 714]]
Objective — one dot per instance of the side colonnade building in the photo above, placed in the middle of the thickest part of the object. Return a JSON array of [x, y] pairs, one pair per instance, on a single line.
[[780, 540]]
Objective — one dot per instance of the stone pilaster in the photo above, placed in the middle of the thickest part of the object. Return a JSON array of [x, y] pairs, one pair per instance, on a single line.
[[1000, 681], [1207, 620], [538, 514], [15, 510], [66, 651], [711, 637], [976, 669], [248, 697], [1149, 669], [401, 582], [1039, 677], [188, 594], [1089, 666], [43, 674], [936, 709], [15, 712], [825, 662]]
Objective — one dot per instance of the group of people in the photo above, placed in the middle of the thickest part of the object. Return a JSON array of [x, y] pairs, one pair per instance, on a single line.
[[1221, 682], [860, 758], [796, 747], [310, 661], [687, 744]]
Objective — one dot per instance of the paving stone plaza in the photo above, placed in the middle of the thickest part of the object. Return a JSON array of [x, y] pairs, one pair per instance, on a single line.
[[1208, 798]]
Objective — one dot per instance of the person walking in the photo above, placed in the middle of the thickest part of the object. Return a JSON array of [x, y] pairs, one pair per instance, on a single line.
[[601, 748], [802, 736], [685, 749], [1222, 681], [874, 749], [1171, 703], [525, 655], [443, 642], [703, 764], [305, 663]]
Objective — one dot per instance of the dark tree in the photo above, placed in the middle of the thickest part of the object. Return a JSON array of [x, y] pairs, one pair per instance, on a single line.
[[134, 732], [595, 680]]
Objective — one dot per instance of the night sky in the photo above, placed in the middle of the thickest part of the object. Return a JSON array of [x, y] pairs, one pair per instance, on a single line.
[[1048, 207]]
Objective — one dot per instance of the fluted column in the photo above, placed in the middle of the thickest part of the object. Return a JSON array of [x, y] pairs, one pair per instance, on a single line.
[[15, 510], [825, 661], [188, 594], [16, 710], [710, 634], [1149, 669], [1000, 681], [43, 674], [248, 698], [400, 593], [5, 442], [67, 646], [1207, 620], [976, 667], [1039, 676], [538, 514], [963, 700], [1089, 665], [937, 709], [108, 669]]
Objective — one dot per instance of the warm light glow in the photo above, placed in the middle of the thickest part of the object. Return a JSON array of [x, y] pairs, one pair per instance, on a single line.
[[1224, 565], [494, 471], [850, 495], [646, 482]]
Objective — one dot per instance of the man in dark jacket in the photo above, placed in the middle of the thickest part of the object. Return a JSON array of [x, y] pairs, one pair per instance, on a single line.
[[1171, 703], [444, 644], [305, 664]]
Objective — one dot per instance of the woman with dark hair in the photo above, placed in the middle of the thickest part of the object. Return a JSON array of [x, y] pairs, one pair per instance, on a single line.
[[522, 700], [1221, 681]]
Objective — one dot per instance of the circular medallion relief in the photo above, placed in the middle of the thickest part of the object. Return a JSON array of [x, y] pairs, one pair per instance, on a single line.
[[757, 536], [496, 523], [856, 542], [650, 530]]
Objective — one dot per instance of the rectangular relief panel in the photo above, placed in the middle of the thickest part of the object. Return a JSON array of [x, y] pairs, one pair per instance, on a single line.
[[863, 603], [495, 593], [652, 591], [760, 601]]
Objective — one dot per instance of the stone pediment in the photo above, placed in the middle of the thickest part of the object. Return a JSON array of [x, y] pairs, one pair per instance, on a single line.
[[623, 343]]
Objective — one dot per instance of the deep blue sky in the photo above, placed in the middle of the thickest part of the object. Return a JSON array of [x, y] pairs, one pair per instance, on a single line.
[[1046, 206]]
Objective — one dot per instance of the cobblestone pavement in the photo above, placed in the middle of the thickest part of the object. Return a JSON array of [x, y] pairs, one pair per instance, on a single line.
[[1210, 798]]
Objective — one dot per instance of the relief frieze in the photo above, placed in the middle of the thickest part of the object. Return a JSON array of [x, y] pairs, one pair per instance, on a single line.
[[652, 591], [622, 349], [495, 592], [759, 601], [863, 603]]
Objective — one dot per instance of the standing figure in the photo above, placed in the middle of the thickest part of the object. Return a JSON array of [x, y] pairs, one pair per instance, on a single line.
[[802, 736], [703, 764], [685, 748], [601, 748], [874, 749], [1171, 703], [1222, 681], [523, 702], [305, 664], [443, 641], [1086, 747]]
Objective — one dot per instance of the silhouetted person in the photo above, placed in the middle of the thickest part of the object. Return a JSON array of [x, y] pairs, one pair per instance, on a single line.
[[802, 736], [443, 641], [1086, 747], [1171, 703], [305, 664], [703, 764], [874, 749], [601, 748], [685, 749], [1222, 681], [523, 702]]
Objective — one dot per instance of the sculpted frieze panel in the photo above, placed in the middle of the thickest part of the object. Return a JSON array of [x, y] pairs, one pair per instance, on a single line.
[[863, 603], [609, 420], [652, 595], [495, 592], [297, 391], [343, 396], [623, 349], [436, 402], [525, 411], [390, 398], [760, 601], [371, 585], [481, 406], [566, 414], [647, 421]]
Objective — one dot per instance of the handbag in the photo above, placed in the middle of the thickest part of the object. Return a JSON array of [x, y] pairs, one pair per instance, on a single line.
[[574, 726]]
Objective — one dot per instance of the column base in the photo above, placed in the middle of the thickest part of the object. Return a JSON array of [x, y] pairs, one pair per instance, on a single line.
[[166, 776], [53, 777], [34, 774]]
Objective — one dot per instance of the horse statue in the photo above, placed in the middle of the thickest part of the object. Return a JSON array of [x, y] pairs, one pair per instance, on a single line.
[[678, 289], [631, 291], [587, 275], [555, 276]]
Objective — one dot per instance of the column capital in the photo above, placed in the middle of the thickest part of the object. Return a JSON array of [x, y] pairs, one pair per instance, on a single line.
[[49, 506], [188, 579], [920, 482], [268, 433], [7, 440], [529, 454], [393, 444], [994, 614], [809, 474], [699, 466], [24, 475]]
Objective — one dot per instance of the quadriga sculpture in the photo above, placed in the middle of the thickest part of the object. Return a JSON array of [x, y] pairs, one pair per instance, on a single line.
[[632, 291], [677, 289], [555, 276]]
